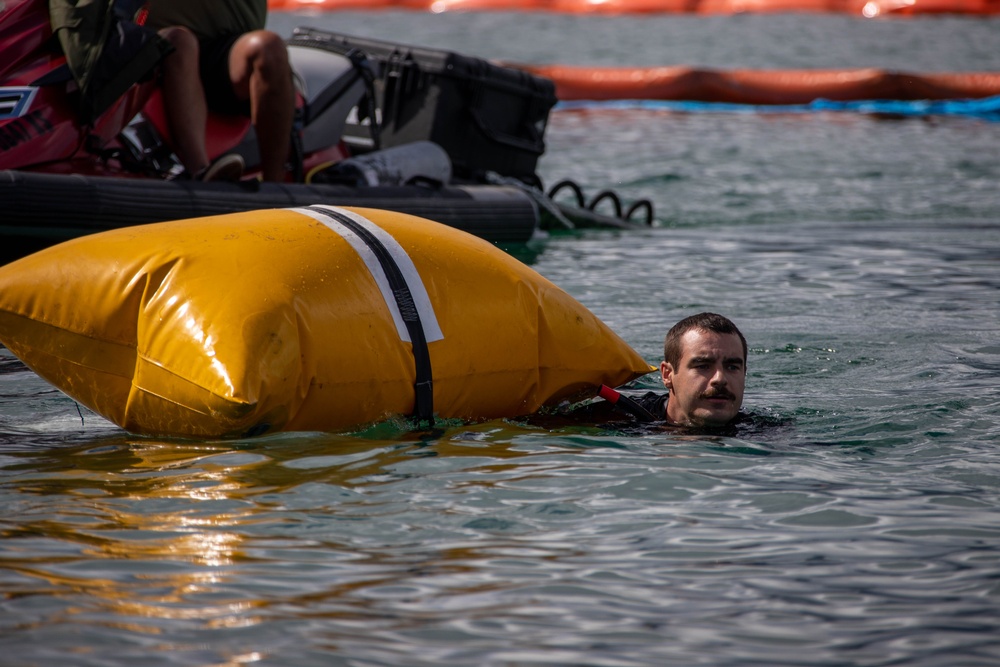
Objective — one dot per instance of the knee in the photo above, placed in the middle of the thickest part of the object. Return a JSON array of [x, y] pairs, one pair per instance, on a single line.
[[269, 55], [184, 42], [180, 38]]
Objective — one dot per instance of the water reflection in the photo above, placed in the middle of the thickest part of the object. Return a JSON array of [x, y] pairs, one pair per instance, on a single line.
[[434, 546]]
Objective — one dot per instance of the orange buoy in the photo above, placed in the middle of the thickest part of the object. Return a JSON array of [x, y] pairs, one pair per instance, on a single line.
[[745, 86]]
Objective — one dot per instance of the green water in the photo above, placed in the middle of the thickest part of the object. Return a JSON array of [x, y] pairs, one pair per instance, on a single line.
[[861, 257]]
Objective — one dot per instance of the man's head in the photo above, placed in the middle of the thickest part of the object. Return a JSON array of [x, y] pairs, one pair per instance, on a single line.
[[704, 367]]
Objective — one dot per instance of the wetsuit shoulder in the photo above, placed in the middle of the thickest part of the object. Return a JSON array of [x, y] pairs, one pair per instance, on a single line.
[[654, 403]]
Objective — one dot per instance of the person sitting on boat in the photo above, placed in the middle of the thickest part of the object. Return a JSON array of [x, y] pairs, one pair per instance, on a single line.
[[227, 62]]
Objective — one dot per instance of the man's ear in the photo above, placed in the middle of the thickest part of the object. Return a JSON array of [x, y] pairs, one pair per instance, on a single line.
[[667, 374]]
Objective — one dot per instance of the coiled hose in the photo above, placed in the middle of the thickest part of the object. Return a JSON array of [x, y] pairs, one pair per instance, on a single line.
[[616, 202]]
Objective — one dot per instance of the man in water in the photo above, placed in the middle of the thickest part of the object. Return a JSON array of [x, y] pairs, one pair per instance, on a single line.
[[704, 368], [225, 61]]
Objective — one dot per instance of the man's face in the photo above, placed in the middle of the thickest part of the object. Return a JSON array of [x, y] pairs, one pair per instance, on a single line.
[[706, 389]]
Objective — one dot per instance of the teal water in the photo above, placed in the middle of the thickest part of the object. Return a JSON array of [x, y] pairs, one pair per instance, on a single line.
[[860, 256]]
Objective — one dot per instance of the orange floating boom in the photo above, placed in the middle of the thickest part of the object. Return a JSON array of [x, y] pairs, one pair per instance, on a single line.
[[866, 8], [744, 86]]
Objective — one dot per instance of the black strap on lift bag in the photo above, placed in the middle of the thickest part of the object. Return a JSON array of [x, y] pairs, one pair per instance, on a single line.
[[423, 408]]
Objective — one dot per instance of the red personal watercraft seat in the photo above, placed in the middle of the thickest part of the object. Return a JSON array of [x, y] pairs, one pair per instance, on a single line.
[[223, 132]]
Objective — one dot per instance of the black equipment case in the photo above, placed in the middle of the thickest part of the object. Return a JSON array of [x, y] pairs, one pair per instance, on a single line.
[[486, 117]]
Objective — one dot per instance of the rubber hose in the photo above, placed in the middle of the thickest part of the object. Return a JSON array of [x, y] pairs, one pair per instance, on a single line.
[[642, 203], [572, 186], [607, 194]]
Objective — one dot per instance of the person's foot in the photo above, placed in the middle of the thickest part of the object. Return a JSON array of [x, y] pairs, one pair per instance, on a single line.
[[229, 168]]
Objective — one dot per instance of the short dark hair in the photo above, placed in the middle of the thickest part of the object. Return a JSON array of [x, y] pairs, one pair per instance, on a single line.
[[704, 322]]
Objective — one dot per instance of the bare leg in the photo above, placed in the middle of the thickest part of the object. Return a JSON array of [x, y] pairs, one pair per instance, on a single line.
[[184, 99], [260, 72]]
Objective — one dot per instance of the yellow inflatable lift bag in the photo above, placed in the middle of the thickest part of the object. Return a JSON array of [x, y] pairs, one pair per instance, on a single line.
[[318, 319]]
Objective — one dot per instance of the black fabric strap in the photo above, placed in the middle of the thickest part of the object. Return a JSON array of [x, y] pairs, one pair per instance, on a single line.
[[423, 408], [620, 400]]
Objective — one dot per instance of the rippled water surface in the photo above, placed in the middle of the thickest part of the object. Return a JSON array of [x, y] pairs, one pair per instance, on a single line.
[[860, 256]]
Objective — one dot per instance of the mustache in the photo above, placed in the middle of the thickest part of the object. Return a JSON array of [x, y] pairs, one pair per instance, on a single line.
[[719, 393]]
